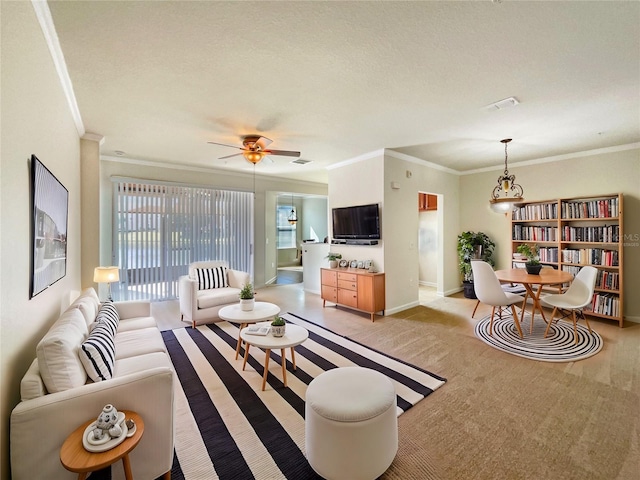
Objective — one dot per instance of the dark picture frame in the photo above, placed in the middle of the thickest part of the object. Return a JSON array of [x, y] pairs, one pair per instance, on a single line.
[[49, 215]]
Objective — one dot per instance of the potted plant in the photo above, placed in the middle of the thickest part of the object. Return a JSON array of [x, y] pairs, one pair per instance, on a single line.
[[473, 246], [333, 259], [532, 265], [247, 299], [278, 326]]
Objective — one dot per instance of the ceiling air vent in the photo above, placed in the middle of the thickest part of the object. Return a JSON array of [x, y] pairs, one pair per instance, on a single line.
[[300, 161], [502, 104]]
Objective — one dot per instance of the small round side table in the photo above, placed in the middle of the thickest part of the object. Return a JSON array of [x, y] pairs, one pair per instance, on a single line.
[[76, 459]]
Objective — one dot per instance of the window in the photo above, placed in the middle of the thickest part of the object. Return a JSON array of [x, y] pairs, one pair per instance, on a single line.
[[160, 229], [287, 233]]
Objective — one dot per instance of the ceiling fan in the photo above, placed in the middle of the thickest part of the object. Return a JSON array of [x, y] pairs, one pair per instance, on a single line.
[[255, 149]]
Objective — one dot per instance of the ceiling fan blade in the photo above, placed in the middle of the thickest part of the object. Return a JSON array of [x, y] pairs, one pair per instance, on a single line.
[[225, 145], [282, 153], [229, 156], [263, 142]]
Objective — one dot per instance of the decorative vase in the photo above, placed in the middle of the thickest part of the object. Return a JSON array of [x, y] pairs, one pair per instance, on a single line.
[[277, 330], [246, 305], [333, 264], [533, 269]]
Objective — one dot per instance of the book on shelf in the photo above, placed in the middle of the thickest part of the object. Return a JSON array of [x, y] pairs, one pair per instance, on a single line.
[[538, 211], [590, 256], [604, 234], [603, 208]]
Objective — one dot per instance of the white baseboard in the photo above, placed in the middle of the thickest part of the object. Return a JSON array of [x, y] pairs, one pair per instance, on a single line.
[[632, 319], [427, 284], [391, 311]]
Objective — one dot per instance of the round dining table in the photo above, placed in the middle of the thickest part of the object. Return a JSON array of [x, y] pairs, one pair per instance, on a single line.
[[547, 276]]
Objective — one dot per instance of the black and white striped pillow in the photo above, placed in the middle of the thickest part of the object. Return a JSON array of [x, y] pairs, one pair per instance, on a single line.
[[212, 278], [98, 352], [108, 315]]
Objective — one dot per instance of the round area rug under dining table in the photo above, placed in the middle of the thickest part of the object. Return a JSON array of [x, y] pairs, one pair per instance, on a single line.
[[559, 346]]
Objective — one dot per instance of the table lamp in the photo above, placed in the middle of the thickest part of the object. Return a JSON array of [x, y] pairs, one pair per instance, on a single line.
[[106, 275]]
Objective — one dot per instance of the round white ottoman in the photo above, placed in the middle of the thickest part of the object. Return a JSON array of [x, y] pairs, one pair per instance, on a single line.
[[351, 425]]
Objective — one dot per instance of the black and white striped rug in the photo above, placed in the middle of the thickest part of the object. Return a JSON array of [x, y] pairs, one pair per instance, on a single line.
[[226, 427], [559, 346]]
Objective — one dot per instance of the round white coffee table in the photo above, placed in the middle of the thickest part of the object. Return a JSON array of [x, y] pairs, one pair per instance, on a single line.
[[293, 335], [234, 314]]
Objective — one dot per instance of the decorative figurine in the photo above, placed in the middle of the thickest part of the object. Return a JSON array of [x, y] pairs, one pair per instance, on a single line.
[[107, 424]]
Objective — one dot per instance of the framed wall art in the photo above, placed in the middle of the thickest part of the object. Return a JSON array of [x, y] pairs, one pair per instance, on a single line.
[[49, 202]]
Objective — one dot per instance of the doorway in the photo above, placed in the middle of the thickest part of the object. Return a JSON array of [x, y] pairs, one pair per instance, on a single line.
[[284, 254]]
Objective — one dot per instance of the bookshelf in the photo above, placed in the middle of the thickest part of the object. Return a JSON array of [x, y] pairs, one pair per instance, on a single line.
[[572, 232]]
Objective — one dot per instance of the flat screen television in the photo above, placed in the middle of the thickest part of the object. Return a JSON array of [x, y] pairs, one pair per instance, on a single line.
[[361, 222]]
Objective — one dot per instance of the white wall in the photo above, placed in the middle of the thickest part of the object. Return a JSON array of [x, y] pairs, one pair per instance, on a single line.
[[315, 219], [35, 120], [401, 227], [604, 173], [359, 183], [428, 248]]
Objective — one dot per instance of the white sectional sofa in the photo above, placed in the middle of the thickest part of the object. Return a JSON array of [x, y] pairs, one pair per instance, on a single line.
[[199, 304], [57, 395]]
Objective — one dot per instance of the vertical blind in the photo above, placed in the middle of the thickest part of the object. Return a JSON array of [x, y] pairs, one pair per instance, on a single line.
[[160, 229]]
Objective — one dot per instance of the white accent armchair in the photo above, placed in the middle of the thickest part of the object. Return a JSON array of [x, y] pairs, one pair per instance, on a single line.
[[202, 306]]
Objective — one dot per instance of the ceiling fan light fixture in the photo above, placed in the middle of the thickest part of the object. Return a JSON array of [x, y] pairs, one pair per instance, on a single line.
[[507, 193], [253, 157]]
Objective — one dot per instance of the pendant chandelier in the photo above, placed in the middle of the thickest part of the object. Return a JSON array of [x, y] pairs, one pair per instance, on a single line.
[[292, 218], [507, 193]]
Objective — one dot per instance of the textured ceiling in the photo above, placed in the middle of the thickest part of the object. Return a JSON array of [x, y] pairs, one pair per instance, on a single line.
[[336, 80]]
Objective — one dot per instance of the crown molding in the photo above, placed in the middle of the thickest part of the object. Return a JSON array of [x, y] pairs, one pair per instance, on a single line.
[[95, 137], [419, 161], [558, 158], [217, 171], [51, 38], [360, 158]]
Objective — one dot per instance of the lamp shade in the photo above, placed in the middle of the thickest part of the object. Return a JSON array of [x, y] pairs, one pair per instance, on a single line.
[[253, 157], [106, 274]]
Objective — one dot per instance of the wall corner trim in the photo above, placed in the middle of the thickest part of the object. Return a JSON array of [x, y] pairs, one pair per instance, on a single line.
[[51, 37]]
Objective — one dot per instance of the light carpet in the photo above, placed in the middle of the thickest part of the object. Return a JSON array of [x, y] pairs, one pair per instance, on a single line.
[[226, 427], [559, 346]]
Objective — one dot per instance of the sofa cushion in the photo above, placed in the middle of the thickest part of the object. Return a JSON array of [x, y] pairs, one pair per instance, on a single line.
[[88, 303], [57, 352], [128, 324], [141, 363], [139, 342], [97, 352], [217, 297], [108, 315], [212, 278]]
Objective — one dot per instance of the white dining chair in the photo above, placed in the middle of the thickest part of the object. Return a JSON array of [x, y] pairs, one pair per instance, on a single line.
[[490, 292], [571, 302]]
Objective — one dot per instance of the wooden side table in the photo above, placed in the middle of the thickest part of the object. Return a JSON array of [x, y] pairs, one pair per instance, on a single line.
[[76, 459]]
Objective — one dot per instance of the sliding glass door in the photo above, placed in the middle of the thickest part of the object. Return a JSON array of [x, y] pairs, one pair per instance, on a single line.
[[159, 229]]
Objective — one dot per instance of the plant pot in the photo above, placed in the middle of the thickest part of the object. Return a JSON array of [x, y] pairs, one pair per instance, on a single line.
[[333, 264], [247, 305], [278, 330], [533, 269], [469, 291]]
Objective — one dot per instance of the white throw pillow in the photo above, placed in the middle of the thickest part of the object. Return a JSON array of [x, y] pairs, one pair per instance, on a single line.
[[98, 352], [212, 278]]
